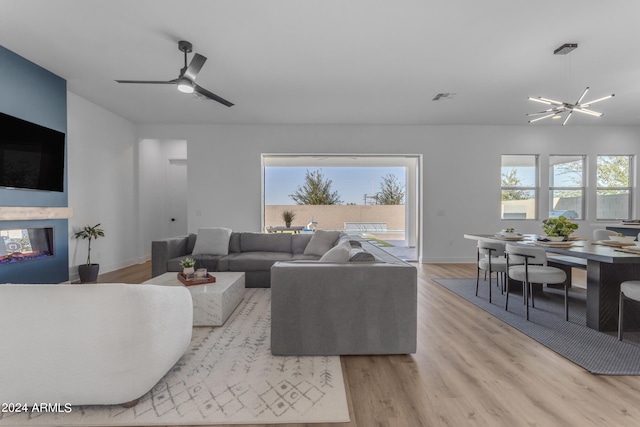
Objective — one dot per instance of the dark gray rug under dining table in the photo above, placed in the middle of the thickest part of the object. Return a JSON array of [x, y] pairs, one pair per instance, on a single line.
[[597, 352]]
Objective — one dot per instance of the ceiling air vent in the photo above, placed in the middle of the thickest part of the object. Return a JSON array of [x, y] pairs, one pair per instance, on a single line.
[[444, 96]]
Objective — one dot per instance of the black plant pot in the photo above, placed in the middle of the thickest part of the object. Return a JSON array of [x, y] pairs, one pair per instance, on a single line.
[[88, 272]]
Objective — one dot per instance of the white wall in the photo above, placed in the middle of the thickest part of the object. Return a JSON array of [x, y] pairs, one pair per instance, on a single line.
[[461, 168], [102, 175], [154, 156]]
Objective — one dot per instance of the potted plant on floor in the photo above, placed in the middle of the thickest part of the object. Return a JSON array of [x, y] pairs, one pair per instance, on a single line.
[[89, 272], [288, 216]]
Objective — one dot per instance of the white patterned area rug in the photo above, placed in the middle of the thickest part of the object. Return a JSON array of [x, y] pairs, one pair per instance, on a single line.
[[228, 376]]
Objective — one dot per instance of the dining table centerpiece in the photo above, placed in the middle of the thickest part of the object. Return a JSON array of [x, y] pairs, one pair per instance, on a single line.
[[558, 229]]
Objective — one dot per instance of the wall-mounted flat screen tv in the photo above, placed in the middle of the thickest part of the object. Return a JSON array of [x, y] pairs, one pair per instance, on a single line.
[[31, 156]]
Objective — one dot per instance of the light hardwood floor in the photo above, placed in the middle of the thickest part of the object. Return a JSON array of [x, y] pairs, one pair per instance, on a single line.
[[470, 370]]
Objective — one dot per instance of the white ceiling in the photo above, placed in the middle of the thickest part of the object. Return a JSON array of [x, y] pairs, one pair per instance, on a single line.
[[338, 61]]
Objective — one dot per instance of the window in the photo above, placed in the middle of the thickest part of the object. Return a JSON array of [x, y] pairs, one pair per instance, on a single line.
[[566, 186], [613, 193], [519, 186]]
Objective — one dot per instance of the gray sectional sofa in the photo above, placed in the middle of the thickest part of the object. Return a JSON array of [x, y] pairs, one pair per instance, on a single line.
[[365, 303], [251, 253], [344, 308]]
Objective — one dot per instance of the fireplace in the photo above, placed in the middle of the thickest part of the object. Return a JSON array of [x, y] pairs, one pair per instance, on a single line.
[[25, 244]]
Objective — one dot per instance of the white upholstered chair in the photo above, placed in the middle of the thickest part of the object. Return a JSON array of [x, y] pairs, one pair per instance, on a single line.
[[603, 234], [100, 344], [533, 268], [629, 289], [491, 259]]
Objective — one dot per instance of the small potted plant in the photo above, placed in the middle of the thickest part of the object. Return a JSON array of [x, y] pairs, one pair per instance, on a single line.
[[509, 232], [188, 266], [89, 272], [558, 229], [288, 216]]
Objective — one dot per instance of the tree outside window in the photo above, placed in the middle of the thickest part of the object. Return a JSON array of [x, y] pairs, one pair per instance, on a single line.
[[613, 193], [519, 177], [566, 186]]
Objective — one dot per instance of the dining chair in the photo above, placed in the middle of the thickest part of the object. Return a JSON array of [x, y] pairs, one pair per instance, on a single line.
[[603, 234], [631, 290], [491, 259], [532, 268]]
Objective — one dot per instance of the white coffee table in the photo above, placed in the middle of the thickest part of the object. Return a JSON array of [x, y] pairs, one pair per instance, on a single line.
[[213, 303]]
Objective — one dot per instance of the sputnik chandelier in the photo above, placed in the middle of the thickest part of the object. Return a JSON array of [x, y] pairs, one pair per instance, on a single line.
[[558, 108]]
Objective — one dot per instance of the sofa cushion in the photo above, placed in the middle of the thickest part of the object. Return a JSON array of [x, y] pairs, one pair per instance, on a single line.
[[339, 253], [321, 242], [299, 242], [212, 241], [210, 262], [234, 242], [357, 254], [303, 257], [255, 261], [261, 242]]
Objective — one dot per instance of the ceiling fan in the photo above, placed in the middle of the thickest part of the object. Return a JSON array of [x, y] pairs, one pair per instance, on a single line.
[[561, 107], [186, 79]]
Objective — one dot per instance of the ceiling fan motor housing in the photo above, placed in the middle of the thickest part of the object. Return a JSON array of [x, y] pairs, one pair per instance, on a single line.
[[185, 46]]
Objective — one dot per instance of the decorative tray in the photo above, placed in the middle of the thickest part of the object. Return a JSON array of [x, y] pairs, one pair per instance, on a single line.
[[614, 243], [196, 280], [508, 238]]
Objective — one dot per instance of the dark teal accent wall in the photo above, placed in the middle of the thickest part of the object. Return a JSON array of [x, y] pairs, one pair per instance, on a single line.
[[31, 93]]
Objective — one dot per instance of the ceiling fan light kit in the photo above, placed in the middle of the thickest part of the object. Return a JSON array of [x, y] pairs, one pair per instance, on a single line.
[[185, 86], [186, 80]]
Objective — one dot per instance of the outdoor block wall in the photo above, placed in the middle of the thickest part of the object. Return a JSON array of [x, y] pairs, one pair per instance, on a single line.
[[334, 216]]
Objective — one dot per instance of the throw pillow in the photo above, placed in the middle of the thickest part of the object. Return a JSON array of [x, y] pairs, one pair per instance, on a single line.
[[339, 253], [212, 241], [321, 242]]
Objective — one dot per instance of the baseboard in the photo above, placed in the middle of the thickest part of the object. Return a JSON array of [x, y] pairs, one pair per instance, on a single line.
[[456, 260], [73, 271]]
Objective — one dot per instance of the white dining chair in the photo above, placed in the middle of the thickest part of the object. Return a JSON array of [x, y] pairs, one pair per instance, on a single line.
[[533, 268], [631, 290], [603, 234], [491, 259]]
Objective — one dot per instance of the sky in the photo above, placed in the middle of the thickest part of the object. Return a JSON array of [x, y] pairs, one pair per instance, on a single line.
[[352, 183]]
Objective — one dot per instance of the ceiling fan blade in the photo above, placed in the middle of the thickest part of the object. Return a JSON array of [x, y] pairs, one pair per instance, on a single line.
[[195, 66], [150, 82], [202, 91]]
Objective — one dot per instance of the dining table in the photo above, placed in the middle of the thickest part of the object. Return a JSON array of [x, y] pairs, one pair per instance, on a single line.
[[607, 265]]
